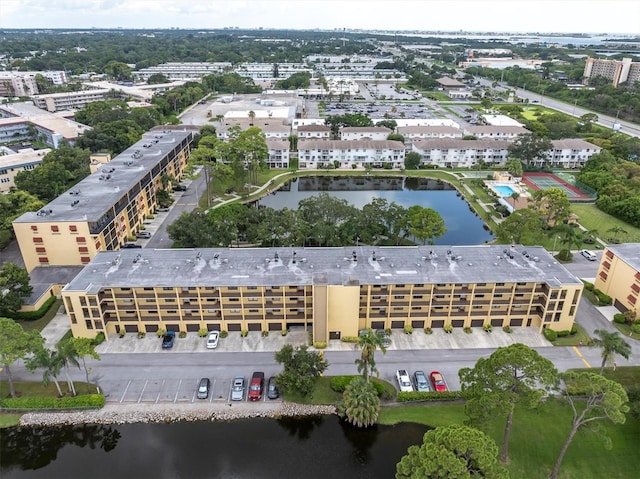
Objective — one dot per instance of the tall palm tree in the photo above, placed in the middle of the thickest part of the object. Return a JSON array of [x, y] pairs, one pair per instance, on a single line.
[[611, 344], [514, 196], [617, 230], [360, 403], [570, 236], [69, 357], [252, 116], [51, 362], [368, 342]]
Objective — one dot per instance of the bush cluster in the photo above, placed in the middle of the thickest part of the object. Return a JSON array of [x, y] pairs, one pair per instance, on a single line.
[[339, 384], [406, 396], [349, 339], [603, 298], [202, 332], [33, 315], [99, 339], [94, 401], [224, 334], [550, 334], [319, 345], [619, 318]]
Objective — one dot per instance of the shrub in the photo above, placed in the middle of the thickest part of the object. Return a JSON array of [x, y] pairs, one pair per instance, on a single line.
[[408, 329], [564, 333], [141, 334], [122, 333], [224, 334], [319, 345], [339, 383], [619, 318], [428, 331], [448, 328], [349, 339], [406, 396], [85, 401], [99, 339], [588, 286], [33, 315], [243, 333], [388, 331], [507, 329], [574, 330], [635, 328], [161, 332], [265, 333], [487, 327], [182, 334], [284, 332], [550, 334], [202, 332], [467, 330], [603, 298]]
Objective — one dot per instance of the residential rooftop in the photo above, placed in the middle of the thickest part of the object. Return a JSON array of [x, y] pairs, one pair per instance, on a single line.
[[92, 197], [628, 252], [306, 266]]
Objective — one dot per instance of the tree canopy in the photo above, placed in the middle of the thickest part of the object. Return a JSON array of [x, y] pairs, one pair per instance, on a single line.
[[15, 344], [301, 368], [530, 149], [14, 288]]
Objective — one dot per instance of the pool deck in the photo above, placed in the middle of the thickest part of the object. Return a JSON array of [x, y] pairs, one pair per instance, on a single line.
[[516, 186]]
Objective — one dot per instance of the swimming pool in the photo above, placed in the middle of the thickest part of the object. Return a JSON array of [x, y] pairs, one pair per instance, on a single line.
[[503, 190]]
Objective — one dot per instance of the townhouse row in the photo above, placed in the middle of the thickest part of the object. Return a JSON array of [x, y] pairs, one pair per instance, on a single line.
[[332, 292]]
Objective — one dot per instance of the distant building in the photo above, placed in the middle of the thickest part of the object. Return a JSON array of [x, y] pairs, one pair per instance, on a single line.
[[490, 132], [619, 276], [616, 71], [314, 132], [183, 70], [12, 164], [453, 153], [571, 153], [364, 133], [317, 154], [68, 101], [278, 153]]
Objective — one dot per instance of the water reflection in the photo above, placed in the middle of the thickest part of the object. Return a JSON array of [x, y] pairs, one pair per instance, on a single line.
[[302, 427]]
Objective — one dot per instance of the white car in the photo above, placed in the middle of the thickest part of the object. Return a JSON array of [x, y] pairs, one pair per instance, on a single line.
[[212, 339], [404, 382], [588, 254]]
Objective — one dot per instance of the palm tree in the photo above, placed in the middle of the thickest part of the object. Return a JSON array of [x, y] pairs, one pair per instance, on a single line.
[[368, 342], [69, 356], [570, 236], [611, 344], [514, 196], [360, 404], [252, 116], [52, 364], [616, 230]]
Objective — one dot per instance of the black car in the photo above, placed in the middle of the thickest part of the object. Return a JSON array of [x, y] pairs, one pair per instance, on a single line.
[[272, 389], [203, 388], [131, 245], [179, 188]]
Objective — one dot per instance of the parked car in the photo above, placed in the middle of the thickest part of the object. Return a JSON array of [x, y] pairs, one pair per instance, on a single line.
[[143, 234], [422, 384], [130, 245], [385, 339], [588, 254], [168, 339], [237, 389], [404, 383], [272, 388], [179, 188], [256, 386], [203, 388], [212, 339], [438, 381], [163, 209]]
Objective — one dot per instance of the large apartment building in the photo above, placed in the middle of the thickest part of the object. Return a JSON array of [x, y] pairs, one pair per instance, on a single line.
[[105, 208], [68, 101], [619, 276], [316, 154], [617, 71], [332, 292], [12, 164]]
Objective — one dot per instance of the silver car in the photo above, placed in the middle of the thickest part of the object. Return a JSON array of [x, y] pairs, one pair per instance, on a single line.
[[422, 384], [203, 388], [237, 389]]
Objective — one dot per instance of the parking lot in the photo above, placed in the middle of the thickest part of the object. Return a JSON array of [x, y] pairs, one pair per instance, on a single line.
[[169, 390]]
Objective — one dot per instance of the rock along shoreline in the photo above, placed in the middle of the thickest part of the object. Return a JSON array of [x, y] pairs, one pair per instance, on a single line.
[[168, 413]]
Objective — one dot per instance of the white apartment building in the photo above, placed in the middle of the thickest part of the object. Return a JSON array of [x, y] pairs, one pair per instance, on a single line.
[[263, 73], [617, 71], [314, 132], [278, 153], [12, 164], [275, 129], [429, 131], [490, 132], [68, 101], [317, 154], [183, 70], [351, 133], [571, 152], [452, 153], [23, 83]]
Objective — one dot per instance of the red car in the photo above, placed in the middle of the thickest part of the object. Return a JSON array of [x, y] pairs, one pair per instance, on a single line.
[[438, 381], [256, 386]]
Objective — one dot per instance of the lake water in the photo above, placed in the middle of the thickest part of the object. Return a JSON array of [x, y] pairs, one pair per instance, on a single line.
[[318, 447], [463, 226]]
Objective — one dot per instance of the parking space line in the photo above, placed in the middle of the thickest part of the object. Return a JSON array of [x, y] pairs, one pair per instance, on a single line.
[[143, 388], [213, 388], [175, 399], [125, 391], [160, 391]]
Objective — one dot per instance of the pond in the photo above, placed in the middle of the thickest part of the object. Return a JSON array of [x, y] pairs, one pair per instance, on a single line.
[[463, 225], [314, 447]]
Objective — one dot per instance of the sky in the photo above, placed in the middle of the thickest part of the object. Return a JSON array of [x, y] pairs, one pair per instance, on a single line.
[[544, 16]]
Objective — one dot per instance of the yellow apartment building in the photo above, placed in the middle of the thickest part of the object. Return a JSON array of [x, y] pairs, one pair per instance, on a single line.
[[102, 210], [332, 292], [619, 276]]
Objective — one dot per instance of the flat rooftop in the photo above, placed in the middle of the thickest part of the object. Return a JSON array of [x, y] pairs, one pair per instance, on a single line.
[[306, 266], [24, 111], [628, 252], [42, 277], [90, 199], [23, 158]]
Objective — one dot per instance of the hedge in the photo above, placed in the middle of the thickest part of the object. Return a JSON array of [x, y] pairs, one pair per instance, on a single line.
[[339, 384], [550, 334], [406, 396], [619, 318], [37, 314], [85, 401], [349, 339], [603, 298]]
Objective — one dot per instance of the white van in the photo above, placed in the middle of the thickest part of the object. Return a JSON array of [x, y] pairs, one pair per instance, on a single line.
[[588, 254]]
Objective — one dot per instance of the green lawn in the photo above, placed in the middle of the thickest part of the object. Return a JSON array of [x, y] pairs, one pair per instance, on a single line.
[[594, 219], [580, 337], [8, 420], [627, 376], [36, 388], [625, 330], [39, 324], [321, 394], [537, 437]]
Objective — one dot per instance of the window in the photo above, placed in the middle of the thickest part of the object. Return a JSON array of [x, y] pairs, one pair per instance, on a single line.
[[34, 228], [73, 228], [37, 240], [85, 259], [55, 229], [81, 239], [41, 249], [83, 249], [43, 260]]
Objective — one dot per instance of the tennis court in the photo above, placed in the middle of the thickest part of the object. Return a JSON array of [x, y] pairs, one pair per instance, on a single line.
[[542, 181]]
